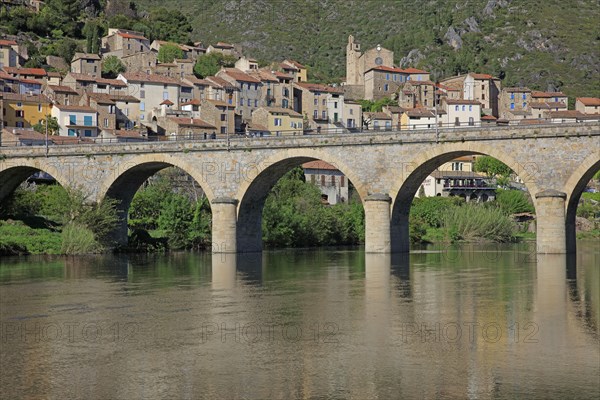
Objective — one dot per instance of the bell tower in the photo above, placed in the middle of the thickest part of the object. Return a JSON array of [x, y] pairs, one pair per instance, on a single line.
[[352, 59]]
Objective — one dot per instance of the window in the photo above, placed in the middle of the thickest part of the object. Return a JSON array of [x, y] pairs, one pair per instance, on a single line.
[[470, 108], [142, 106], [471, 121], [455, 108], [223, 117], [524, 105], [464, 107], [456, 121], [316, 102], [512, 96], [322, 180], [19, 104], [39, 108], [71, 132], [376, 124], [87, 133], [111, 109], [315, 114], [277, 121], [286, 92], [165, 95], [106, 122], [324, 114], [249, 86], [386, 87], [142, 84], [351, 111], [425, 101], [333, 180], [72, 119], [128, 46], [256, 86], [512, 106], [324, 102], [255, 103], [126, 112], [387, 77], [223, 129], [241, 101], [395, 77], [87, 120], [20, 125], [141, 117], [249, 102], [335, 104], [524, 96], [342, 183], [482, 96], [284, 103]]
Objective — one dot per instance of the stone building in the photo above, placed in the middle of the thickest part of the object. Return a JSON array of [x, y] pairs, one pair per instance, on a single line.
[[151, 91], [310, 101], [279, 121], [122, 42], [59, 94], [9, 56], [357, 63], [469, 185], [88, 64], [330, 180], [588, 105], [246, 64], [141, 62], [248, 96], [188, 127], [515, 103], [485, 89], [218, 113]]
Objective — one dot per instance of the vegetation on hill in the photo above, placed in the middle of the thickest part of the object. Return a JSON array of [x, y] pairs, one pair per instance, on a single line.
[[546, 45], [550, 44]]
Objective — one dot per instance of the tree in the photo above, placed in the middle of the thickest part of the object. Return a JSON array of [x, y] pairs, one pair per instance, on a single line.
[[210, 64], [112, 67], [169, 52], [52, 126], [492, 167], [169, 25]]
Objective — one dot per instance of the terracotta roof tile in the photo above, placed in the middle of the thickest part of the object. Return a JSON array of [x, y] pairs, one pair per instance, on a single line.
[[149, 78], [589, 101], [196, 122], [238, 75], [317, 87], [320, 165], [547, 94], [25, 71]]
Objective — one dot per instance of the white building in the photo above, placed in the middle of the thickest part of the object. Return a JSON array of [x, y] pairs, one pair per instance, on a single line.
[[76, 121], [461, 113], [332, 183]]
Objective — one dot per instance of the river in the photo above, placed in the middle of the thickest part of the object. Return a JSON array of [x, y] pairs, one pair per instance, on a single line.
[[469, 321]]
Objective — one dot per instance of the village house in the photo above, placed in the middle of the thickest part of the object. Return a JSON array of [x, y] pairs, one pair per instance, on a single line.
[[104, 106], [246, 64], [76, 121], [332, 183], [351, 114], [461, 113], [248, 96], [23, 110], [64, 95], [221, 47], [88, 64], [311, 99], [142, 62], [9, 55], [88, 83], [396, 113], [151, 91], [37, 74], [122, 42], [21, 137], [544, 102], [218, 113], [485, 89], [279, 121], [515, 103], [377, 120], [587, 105], [295, 69], [417, 118], [271, 89], [191, 128], [471, 186], [571, 116]]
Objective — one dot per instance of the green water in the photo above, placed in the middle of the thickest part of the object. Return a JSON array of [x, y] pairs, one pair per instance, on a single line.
[[492, 321]]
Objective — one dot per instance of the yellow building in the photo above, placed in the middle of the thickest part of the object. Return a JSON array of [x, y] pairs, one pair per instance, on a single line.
[[24, 111], [279, 121]]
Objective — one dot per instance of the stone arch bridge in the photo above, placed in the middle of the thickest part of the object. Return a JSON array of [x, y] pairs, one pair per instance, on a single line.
[[555, 163]]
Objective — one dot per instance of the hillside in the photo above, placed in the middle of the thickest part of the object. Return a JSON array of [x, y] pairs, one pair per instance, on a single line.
[[544, 44]]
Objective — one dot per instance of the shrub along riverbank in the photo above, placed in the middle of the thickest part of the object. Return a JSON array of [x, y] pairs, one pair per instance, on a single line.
[[167, 215]]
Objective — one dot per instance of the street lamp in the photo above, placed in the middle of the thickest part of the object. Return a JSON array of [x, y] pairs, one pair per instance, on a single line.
[[229, 92]]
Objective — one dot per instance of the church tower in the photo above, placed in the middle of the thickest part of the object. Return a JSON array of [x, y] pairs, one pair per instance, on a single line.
[[352, 59]]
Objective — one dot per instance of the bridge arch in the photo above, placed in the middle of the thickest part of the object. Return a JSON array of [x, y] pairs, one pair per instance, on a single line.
[[415, 171], [574, 188], [123, 183], [256, 186], [12, 175]]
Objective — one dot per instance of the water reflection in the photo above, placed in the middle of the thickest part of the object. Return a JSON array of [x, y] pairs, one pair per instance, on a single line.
[[459, 322]]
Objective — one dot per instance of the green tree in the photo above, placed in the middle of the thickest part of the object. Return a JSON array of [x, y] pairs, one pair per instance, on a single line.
[[170, 25], [210, 64], [52, 125], [112, 66], [169, 52], [492, 167]]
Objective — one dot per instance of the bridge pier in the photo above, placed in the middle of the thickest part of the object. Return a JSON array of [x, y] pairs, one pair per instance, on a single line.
[[224, 225], [551, 226], [377, 223]]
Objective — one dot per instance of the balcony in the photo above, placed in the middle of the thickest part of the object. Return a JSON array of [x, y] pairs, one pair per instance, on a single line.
[[77, 122]]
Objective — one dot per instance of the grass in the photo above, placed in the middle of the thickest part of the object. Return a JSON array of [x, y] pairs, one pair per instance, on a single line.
[[24, 239]]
